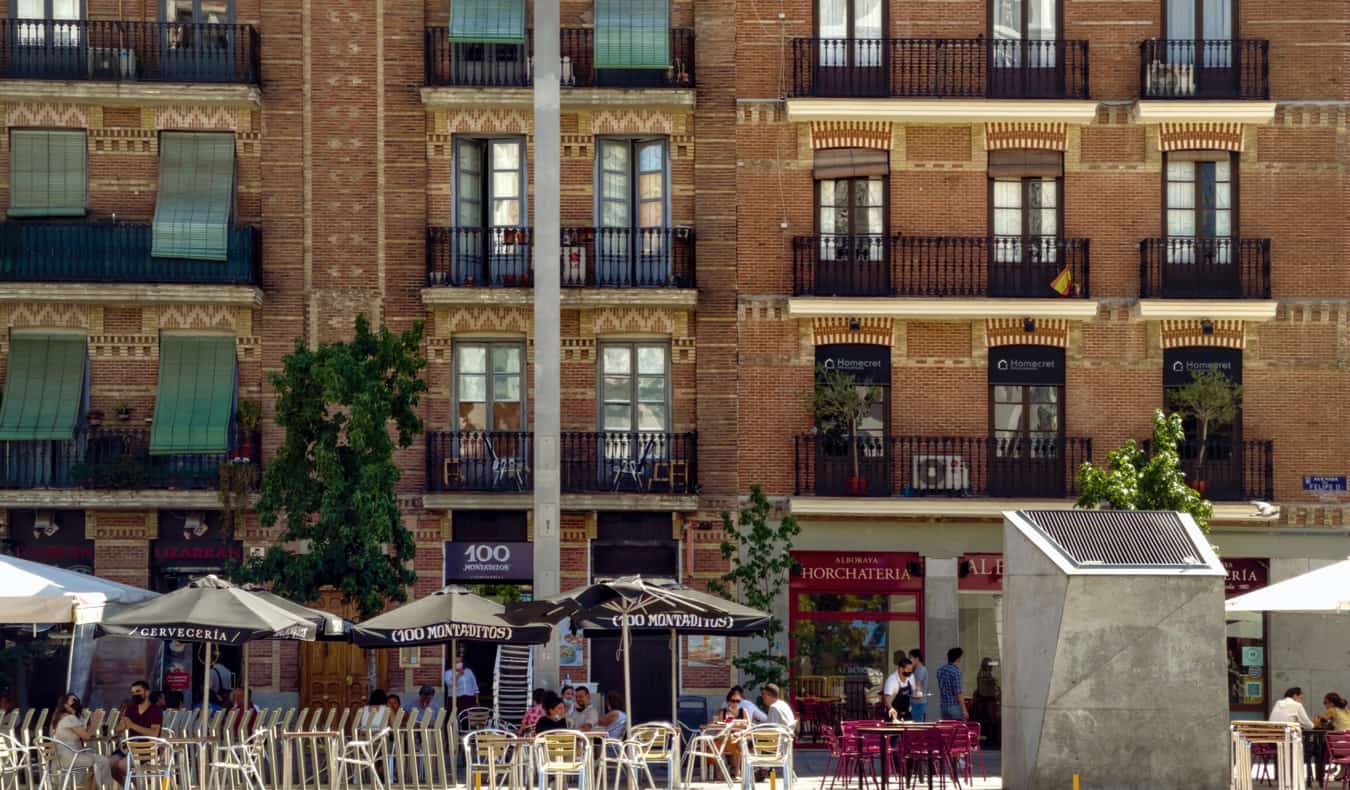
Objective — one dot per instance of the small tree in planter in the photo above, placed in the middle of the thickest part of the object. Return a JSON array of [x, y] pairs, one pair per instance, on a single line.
[[1212, 400], [247, 418], [838, 403]]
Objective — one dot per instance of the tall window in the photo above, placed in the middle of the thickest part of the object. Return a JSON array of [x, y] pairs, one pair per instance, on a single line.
[[209, 11], [850, 32], [46, 27], [635, 391], [1199, 32], [633, 207], [1020, 29], [1026, 418], [852, 217], [489, 386], [490, 209], [1200, 219]]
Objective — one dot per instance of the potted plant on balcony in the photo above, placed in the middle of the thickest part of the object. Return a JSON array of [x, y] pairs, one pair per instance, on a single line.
[[1213, 401], [247, 419], [839, 404], [123, 411]]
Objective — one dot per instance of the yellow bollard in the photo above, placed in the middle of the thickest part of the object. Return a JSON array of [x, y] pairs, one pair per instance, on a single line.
[[1075, 782], [477, 781], [773, 780]]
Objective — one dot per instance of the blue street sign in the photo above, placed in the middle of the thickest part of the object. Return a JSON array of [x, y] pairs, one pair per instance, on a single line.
[[1324, 484]]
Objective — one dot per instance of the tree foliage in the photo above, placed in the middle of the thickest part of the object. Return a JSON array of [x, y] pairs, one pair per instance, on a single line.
[[1133, 481], [759, 552], [332, 484], [1212, 400], [838, 403]]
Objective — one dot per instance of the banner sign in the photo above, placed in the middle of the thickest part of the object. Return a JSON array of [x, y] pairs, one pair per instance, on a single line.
[[1244, 575], [1034, 365], [867, 364], [197, 542], [855, 571], [980, 572], [1181, 364], [58, 538], [472, 561]]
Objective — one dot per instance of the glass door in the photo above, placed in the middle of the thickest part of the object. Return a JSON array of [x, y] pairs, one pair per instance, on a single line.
[[1201, 233], [854, 254], [198, 41], [1026, 460], [634, 413], [847, 641], [1199, 46], [1026, 236], [1025, 61], [852, 48], [46, 39]]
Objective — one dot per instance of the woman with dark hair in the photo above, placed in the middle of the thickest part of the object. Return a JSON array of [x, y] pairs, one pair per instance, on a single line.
[[555, 714], [376, 712], [615, 721], [69, 729], [1335, 717]]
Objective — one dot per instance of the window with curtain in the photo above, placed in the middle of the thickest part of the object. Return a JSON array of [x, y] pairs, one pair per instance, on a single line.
[[858, 22], [851, 213], [48, 173], [1203, 25], [632, 207], [1199, 200], [632, 34], [1015, 24], [490, 209], [490, 386], [634, 388], [1027, 419]]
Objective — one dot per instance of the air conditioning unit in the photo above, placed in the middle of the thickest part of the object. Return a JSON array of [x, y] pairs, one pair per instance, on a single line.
[[574, 265], [941, 473], [1171, 79], [44, 524], [112, 64]]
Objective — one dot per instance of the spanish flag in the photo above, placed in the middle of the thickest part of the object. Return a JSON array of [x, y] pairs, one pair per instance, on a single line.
[[1063, 282]]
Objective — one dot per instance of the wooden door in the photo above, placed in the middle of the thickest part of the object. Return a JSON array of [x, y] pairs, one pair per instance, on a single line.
[[335, 674]]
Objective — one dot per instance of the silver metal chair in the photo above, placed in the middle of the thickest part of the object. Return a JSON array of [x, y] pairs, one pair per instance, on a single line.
[[364, 756], [559, 754], [14, 762], [242, 760], [767, 747], [149, 763]]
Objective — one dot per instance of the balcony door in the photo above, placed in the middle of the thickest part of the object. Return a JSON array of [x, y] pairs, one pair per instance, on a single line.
[[634, 411], [1025, 61], [870, 367], [854, 252], [492, 243], [45, 38], [633, 207], [492, 446], [852, 48], [1198, 47], [1026, 415], [1025, 198], [198, 43], [1201, 259], [1215, 459]]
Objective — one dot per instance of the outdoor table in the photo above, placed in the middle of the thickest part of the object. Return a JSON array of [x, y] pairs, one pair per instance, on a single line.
[[184, 744], [1315, 755], [888, 731], [292, 747]]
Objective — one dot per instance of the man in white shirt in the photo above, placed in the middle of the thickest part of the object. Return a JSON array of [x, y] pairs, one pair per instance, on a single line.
[[1289, 708], [464, 684], [756, 715], [892, 685], [584, 717], [780, 712]]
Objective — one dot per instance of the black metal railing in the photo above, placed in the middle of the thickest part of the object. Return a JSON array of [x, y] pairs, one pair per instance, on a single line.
[[1007, 467], [1199, 268], [454, 64], [939, 67], [591, 257], [1204, 69], [1232, 471], [114, 458], [127, 51], [479, 461], [998, 266], [116, 252], [629, 462]]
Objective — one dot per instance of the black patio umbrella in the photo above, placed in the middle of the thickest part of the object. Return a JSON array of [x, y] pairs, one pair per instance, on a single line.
[[213, 611], [633, 603]]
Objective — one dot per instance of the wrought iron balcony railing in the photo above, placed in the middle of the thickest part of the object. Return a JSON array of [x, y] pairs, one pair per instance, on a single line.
[[480, 461], [956, 266], [939, 68], [116, 252], [629, 462], [453, 64], [1199, 268], [1204, 69], [1012, 467], [106, 458], [1232, 471], [591, 257], [127, 51]]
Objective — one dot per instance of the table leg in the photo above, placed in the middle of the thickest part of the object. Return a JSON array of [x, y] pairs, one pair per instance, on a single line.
[[885, 761]]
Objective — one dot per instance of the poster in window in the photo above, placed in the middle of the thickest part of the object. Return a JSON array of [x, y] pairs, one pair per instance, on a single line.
[[572, 652], [707, 651], [409, 657]]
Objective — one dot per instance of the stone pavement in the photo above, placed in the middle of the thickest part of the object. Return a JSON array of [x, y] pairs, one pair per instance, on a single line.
[[810, 764]]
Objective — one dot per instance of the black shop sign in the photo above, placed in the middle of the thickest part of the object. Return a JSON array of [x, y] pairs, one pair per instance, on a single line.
[[1035, 365], [193, 540], [1181, 364], [867, 364], [489, 561], [52, 537]]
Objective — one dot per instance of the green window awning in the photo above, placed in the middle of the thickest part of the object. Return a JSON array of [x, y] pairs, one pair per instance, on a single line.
[[196, 195], [48, 173], [487, 21], [194, 408], [44, 388], [632, 34]]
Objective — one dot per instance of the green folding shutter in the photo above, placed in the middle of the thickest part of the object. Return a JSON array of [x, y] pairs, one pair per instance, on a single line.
[[44, 387], [632, 34], [47, 173], [195, 403], [487, 21], [196, 195]]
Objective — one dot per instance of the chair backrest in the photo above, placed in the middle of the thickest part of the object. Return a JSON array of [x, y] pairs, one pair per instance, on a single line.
[[12, 754], [476, 718], [1338, 744], [563, 750], [691, 710], [769, 742], [488, 747], [655, 740], [146, 753]]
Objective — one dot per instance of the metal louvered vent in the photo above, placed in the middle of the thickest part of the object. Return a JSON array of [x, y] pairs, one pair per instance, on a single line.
[[1119, 538]]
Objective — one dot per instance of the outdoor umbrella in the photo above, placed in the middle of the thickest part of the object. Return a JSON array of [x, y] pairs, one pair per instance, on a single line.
[[213, 611], [1323, 590], [634, 603]]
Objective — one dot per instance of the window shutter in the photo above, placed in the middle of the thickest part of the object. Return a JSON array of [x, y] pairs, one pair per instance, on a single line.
[[1026, 163], [196, 195], [632, 34], [851, 162], [194, 407], [487, 21], [44, 388], [48, 173]]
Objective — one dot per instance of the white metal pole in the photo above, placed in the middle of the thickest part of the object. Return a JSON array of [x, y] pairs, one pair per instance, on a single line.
[[627, 685], [206, 691], [454, 715], [674, 679], [243, 675]]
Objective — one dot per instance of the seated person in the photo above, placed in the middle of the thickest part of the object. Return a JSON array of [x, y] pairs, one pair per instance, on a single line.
[[1289, 709], [68, 728], [584, 716], [139, 718], [555, 715], [780, 712], [534, 713], [1335, 716], [735, 715], [615, 721]]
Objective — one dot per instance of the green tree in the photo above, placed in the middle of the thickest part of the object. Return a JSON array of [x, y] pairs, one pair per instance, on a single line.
[[838, 403], [760, 558], [332, 483], [1212, 400], [1134, 481]]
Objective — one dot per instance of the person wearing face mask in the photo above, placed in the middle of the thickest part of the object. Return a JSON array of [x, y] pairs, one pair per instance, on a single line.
[[460, 681], [569, 698], [69, 729], [904, 692], [138, 717], [555, 714], [584, 716]]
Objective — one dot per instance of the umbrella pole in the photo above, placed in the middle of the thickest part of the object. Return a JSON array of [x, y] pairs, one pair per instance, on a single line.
[[454, 715], [674, 678], [206, 690], [627, 685], [243, 674]]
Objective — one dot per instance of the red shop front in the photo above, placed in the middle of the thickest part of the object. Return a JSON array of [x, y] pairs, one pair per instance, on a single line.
[[849, 612], [1248, 667]]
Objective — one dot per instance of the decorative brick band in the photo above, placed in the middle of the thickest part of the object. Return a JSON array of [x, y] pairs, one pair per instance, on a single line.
[[507, 319], [871, 331], [1045, 136], [50, 115], [851, 134], [1013, 332], [193, 117], [578, 349], [1200, 137], [632, 121], [1181, 334], [479, 119], [124, 346], [620, 320]]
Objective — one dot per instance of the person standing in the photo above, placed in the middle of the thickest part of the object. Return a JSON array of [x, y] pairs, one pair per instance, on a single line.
[[898, 708], [918, 703], [891, 686], [950, 699], [222, 682], [460, 681]]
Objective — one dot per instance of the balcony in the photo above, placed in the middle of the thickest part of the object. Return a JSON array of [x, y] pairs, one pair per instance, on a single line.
[[1200, 268], [502, 257], [916, 466], [113, 51], [115, 459], [1205, 69], [592, 463], [459, 65], [1233, 471], [116, 252], [976, 68], [939, 266]]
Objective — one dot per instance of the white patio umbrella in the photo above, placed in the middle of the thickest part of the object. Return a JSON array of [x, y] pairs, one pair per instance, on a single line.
[[1323, 590]]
